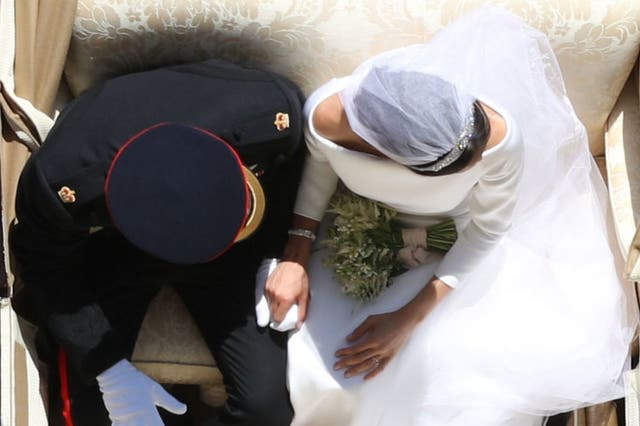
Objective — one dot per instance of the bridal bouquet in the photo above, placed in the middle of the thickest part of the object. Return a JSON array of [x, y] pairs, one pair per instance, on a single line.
[[368, 247]]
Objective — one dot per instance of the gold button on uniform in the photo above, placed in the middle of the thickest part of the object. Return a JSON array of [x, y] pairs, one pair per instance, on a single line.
[[282, 121], [67, 195]]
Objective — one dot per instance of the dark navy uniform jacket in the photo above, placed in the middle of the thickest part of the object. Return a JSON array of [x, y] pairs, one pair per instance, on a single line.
[[50, 239]]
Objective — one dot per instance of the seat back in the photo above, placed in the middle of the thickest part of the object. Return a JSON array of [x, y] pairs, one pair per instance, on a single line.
[[311, 41]]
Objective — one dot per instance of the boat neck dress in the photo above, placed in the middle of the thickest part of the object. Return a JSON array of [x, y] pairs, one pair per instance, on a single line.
[[529, 330]]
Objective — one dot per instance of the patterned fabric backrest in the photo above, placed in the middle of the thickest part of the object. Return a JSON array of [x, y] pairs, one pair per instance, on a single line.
[[311, 41]]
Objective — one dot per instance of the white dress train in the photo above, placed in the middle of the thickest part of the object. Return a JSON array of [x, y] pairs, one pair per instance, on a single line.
[[539, 322]]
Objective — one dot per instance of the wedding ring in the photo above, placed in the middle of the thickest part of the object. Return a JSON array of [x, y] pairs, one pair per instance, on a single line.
[[376, 362]]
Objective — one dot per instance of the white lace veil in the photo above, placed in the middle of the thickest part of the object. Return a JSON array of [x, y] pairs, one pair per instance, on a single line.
[[561, 206], [490, 55], [409, 115]]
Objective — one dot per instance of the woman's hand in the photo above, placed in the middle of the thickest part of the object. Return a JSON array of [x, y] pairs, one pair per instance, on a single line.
[[379, 338], [374, 343], [288, 284]]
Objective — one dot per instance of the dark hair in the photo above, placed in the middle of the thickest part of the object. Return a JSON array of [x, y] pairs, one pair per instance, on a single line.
[[477, 142]]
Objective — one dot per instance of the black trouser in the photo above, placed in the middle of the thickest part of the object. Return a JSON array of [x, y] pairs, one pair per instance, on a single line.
[[220, 297]]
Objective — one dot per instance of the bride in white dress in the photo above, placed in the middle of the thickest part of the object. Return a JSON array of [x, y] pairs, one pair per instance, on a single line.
[[525, 316]]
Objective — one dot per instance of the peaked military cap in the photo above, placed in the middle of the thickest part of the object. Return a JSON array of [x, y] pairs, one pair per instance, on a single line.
[[181, 194]]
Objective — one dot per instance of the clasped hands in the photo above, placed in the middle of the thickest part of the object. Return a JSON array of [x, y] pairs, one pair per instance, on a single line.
[[371, 345], [282, 293]]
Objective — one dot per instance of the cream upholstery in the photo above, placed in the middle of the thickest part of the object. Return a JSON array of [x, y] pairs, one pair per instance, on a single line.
[[314, 40], [171, 349], [623, 162], [310, 41]]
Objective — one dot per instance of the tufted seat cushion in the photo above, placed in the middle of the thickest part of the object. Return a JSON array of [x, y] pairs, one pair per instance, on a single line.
[[171, 349]]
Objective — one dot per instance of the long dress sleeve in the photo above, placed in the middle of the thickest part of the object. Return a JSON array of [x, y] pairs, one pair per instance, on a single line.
[[491, 205], [319, 180], [318, 183]]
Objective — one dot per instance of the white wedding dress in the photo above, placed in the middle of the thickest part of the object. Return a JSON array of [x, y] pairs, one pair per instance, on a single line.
[[539, 321]]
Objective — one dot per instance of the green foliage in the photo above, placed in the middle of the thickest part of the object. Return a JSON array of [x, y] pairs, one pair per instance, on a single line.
[[364, 243], [441, 236]]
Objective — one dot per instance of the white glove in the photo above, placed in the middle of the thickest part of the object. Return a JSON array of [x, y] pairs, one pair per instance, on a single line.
[[131, 396], [263, 314]]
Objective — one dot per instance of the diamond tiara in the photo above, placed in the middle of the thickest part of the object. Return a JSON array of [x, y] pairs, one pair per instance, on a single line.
[[461, 145]]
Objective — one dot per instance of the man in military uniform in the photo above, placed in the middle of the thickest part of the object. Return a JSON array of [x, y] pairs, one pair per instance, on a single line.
[[184, 176]]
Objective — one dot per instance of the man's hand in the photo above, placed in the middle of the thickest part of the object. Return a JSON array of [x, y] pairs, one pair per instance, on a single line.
[[288, 284], [131, 397]]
